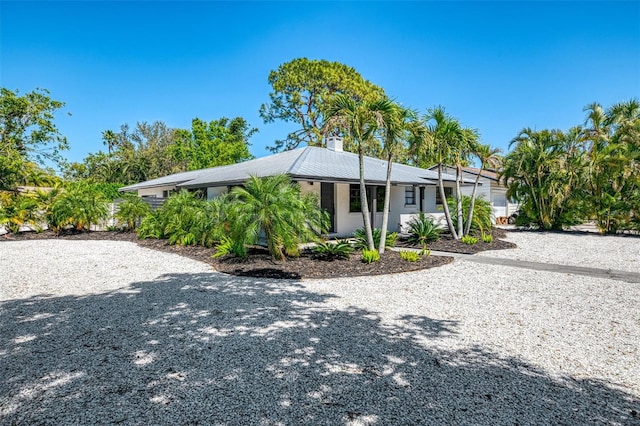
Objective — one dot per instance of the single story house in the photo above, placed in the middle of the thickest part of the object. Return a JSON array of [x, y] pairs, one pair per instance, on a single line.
[[331, 173], [490, 187]]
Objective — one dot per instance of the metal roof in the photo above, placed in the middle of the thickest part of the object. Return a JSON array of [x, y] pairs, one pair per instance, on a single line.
[[312, 163]]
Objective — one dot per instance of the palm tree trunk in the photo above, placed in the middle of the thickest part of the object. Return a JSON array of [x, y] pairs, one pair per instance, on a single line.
[[459, 198], [385, 211], [364, 205], [472, 203], [445, 206]]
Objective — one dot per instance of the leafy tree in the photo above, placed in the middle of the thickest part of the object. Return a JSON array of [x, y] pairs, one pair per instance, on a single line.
[[28, 134], [301, 90], [274, 206], [217, 143], [362, 121]]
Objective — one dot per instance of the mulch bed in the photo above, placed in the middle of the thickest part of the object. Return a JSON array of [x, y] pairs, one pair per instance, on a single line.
[[448, 244], [260, 264]]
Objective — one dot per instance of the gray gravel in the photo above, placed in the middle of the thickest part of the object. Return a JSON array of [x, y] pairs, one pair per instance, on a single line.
[[99, 332]]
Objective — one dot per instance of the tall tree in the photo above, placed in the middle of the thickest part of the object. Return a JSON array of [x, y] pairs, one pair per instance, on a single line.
[[438, 142], [487, 156], [28, 133], [301, 90], [212, 144], [360, 120], [398, 123]]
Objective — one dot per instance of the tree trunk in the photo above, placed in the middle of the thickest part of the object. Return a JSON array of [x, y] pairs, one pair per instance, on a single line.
[[459, 198], [445, 206], [364, 205], [472, 203], [385, 211]]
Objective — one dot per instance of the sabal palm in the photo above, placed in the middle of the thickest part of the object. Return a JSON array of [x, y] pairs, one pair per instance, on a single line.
[[274, 206], [362, 121]]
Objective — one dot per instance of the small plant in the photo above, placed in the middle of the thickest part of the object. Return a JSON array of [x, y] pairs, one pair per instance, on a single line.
[[423, 229], [425, 252], [468, 239], [370, 256], [409, 256], [341, 249], [224, 248], [132, 210], [487, 238], [361, 238]]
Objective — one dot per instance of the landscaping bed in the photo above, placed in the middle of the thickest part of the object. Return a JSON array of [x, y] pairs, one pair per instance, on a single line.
[[448, 244], [260, 264]]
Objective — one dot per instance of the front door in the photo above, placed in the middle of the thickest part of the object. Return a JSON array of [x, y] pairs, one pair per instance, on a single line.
[[327, 202]]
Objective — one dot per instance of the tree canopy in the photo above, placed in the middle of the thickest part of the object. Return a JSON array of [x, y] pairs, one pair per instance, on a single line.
[[28, 136], [301, 89]]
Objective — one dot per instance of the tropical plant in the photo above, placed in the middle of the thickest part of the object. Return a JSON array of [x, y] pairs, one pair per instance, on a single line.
[[78, 205], [488, 157], [441, 142], [361, 239], [185, 219], [17, 211], [370, 256], [132, 210], [468, 239], [398, 124], [542, 173], [361, 121], [423, 229], [341, 249], [487, 238], [482, 215], [274, 207], [409, 256]]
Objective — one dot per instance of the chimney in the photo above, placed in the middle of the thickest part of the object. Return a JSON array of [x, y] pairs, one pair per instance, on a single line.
[[334, 143]]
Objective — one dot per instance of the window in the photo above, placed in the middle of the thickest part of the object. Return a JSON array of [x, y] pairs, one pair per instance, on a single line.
[[354, 198], [409, 196], [448, 192]]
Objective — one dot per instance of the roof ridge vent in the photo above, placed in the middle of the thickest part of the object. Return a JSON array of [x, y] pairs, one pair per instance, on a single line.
[[335, 143]]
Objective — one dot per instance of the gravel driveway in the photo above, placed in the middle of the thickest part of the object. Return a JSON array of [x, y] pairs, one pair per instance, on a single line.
[[102, 332]]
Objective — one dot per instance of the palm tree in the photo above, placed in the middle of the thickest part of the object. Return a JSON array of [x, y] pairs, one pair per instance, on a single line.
[[397, 126], [110, 139], [488, 157], [438, 141], [361, 120], [275, 207]]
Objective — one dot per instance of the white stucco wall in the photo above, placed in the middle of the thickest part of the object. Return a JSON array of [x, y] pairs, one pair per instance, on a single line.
[[155, 192]]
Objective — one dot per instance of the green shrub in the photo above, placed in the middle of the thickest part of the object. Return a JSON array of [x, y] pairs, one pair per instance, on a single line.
[[361, 238], [423, 229], [274, 208], [487, 238], [425, 252], [482, 213], [79, 205], [370, 256], [341, 249], [19, 210], [468, 239], [185, 219], [409, 256], [132, 210]]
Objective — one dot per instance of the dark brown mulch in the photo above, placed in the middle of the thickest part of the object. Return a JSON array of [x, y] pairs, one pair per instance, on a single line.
[[259, 263], [446, 243]]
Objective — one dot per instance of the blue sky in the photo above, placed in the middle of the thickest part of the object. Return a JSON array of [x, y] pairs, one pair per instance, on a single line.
[[496, 66]]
